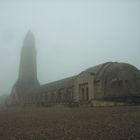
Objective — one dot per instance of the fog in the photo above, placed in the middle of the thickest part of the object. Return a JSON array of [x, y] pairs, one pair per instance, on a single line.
[[71, 35]]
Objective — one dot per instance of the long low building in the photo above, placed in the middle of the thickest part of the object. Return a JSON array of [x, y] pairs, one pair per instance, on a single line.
[[108, 82]]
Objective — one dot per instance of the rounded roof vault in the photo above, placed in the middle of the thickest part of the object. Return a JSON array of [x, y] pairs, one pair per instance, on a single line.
[[111, 69]]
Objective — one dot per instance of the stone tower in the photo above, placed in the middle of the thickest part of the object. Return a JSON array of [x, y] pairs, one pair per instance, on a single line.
[[28, 67], [27, 78]]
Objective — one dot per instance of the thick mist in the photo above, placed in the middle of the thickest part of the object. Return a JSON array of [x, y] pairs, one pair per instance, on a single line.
[[70, 36]]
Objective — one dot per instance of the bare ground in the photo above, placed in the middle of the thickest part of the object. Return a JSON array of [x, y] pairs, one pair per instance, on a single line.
[[98, 123]]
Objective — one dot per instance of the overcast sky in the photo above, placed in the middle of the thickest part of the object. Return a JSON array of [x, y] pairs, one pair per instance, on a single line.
[[71, 35]]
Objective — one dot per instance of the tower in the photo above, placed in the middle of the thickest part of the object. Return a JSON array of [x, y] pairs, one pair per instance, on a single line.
[[27, 78], [28, 67]]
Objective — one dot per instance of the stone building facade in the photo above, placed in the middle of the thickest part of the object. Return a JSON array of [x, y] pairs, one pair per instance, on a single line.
[[108, 82]]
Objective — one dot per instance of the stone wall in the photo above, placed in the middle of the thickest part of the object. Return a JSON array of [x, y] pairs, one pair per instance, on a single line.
[[84, 78]]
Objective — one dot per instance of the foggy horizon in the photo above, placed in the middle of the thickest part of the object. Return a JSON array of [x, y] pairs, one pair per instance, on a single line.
[[70, 36]]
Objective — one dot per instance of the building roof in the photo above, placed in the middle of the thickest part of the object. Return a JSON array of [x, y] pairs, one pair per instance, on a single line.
[[98, 70], [60, 84], [123, 71], [110, 68]]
